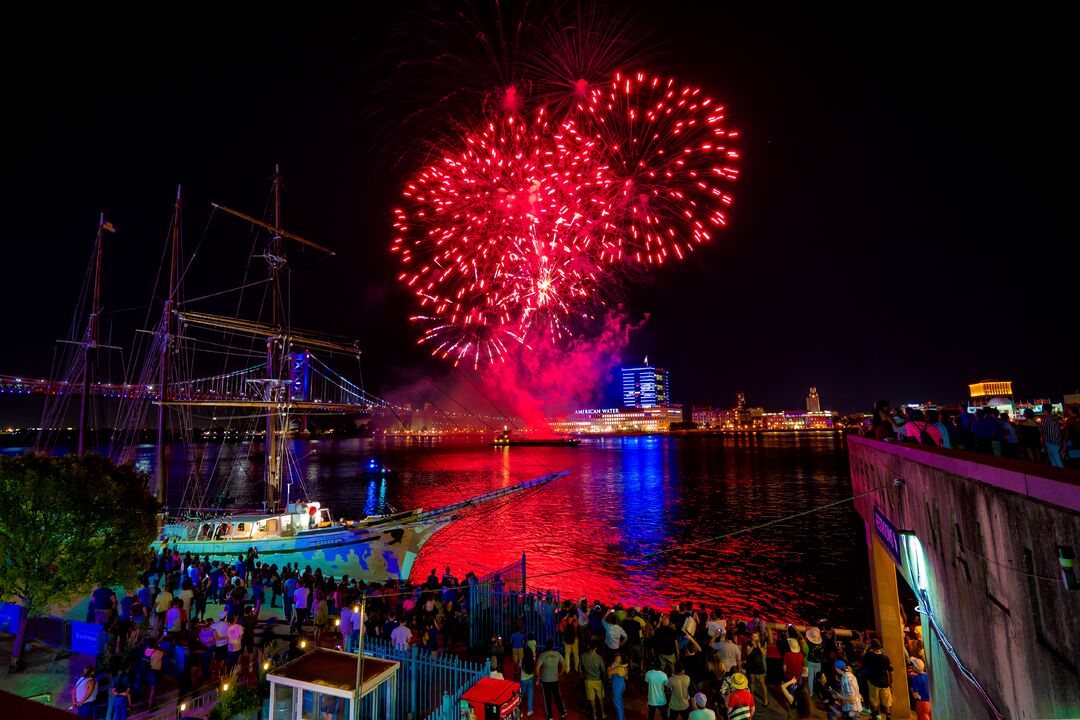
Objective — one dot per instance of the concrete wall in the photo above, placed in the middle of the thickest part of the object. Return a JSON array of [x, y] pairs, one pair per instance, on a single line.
[[989, 531]]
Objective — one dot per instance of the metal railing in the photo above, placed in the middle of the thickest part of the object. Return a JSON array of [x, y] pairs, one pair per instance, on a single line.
[[427, 683], [497, 612], [195, 706]]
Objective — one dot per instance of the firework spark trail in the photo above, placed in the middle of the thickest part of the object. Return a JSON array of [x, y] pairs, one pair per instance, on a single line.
[[516, 232], [497, 240], [674, 161]]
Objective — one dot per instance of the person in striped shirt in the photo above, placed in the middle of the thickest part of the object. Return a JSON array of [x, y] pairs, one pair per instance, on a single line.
[[1051, 437]]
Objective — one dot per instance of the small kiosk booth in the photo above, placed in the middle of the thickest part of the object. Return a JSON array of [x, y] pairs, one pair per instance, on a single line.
[[322, 683]]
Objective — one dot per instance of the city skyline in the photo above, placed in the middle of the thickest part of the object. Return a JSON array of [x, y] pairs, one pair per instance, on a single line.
[[810, 208]]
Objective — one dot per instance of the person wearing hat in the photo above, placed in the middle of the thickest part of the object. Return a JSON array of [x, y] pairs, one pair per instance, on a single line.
[[701, 712], [919, 682], [848, 697], [794, 661], [813, 657], [740, 701]]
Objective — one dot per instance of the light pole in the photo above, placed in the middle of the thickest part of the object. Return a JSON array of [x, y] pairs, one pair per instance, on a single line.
[[360, 659]]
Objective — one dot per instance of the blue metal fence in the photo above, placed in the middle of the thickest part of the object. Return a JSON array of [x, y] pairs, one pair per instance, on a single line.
[[495, 611], [71, 635], [429, 685]]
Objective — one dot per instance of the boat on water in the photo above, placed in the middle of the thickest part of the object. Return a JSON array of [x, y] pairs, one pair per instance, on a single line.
[[375, 549], [375, 470], [279, 392], [506, 440]]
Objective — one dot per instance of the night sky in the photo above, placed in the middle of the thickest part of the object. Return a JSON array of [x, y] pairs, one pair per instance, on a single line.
[[898, 231]]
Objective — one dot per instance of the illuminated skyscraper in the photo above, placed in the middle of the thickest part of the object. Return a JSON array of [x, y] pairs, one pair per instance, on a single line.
[[813, 402], [644, 386]]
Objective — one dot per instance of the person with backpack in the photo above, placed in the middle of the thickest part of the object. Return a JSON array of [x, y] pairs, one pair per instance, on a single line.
[[570, 643]]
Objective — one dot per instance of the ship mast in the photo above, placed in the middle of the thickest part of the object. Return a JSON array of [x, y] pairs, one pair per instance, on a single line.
[[161, 475], [275, 415], [90, 346]]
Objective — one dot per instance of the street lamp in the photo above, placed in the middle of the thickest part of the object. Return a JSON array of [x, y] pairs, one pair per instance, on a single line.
[[359, 660]]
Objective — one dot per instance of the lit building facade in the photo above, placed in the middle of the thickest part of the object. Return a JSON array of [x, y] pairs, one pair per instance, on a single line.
[[795, 420], [619, 420], [645, 387], [813, 401], [983, 392]]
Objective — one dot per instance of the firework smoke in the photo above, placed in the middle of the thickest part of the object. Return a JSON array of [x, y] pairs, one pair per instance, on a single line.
[[563, 183]]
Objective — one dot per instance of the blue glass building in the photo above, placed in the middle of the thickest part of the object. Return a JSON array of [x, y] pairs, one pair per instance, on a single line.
[[644, 386]]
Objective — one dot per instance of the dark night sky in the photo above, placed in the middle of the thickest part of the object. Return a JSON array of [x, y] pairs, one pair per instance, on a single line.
[[899, 227]]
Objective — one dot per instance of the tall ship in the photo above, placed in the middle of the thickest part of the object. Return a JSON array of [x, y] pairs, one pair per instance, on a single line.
[[265, 373]]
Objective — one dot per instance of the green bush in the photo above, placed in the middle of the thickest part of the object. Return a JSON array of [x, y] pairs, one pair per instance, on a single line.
[[242, 701]]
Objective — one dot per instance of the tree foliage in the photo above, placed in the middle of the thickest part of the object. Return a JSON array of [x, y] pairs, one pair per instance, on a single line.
[[69, 523]]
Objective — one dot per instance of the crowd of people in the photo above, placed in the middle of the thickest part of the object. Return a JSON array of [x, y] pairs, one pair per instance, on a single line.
[[1042, 437], [164, 625], [691, 662]]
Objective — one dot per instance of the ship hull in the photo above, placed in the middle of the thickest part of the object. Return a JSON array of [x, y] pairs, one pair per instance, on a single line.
[[368, 554]]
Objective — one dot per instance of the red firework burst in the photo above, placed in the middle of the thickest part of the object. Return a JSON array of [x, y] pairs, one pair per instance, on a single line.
[[500, 240], [515, 232], [674, 161]]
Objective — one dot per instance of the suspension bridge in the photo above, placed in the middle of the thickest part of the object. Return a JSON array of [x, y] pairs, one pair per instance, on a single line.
[[309, 385]]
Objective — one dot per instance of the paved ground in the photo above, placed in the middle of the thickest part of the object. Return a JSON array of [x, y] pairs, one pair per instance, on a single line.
[[573, 692], [48, 671]]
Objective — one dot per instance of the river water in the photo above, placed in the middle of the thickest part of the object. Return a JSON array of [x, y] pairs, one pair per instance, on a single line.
[[639, 520]]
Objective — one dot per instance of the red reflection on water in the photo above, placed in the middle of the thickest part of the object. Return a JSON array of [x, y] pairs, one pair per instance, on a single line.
[[621, 528]]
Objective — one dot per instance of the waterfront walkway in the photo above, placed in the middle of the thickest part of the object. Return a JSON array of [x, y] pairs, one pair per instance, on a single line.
[[49, 672]]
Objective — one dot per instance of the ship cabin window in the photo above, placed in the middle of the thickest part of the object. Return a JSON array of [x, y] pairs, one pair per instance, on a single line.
[[222, 531], [205, 530], [192, 532]]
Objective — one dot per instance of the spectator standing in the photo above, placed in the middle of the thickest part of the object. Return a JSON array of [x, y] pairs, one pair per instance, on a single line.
[[740, 701], [657, 682], [813, 657], [235, 636], [848, 697], [401, 637], [301, 599], [528, 680], [937, 430], [1052, 436], [103, 600], [84, 696], [794, 661], [1010, 444], [679, 702], [919, 683], [755, 665], [517, 646], [988, 433], [878, 670], [701, 712], [592, 667], [1028, 432], [550, 666], [1072, 435], [614, 636], [617, 672], [288, 590]]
